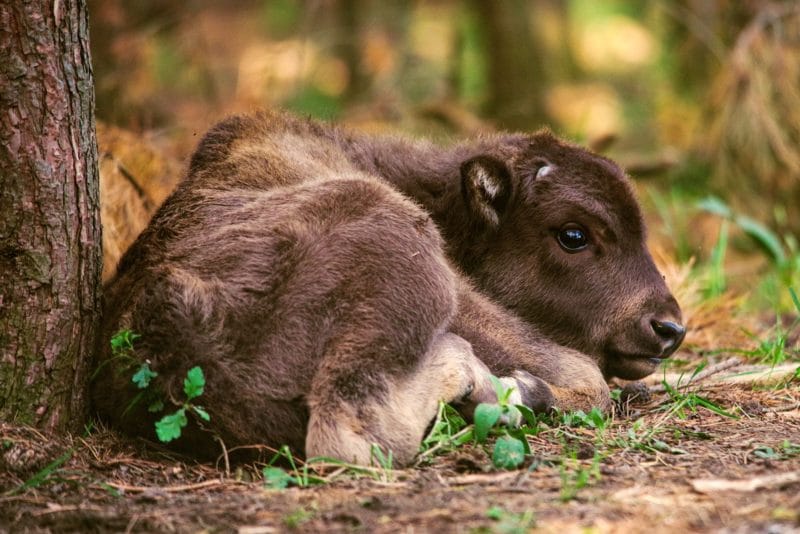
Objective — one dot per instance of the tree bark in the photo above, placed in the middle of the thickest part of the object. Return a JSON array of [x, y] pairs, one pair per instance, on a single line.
[[50, 241]]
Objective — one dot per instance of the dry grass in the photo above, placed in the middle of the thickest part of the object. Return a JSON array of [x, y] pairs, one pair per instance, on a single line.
[[754, 137], [135, 178]]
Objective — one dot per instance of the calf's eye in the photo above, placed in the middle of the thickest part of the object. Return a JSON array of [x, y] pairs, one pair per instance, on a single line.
[[572, 238]]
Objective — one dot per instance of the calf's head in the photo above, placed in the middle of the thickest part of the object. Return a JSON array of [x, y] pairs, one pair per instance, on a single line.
[[563, 245]]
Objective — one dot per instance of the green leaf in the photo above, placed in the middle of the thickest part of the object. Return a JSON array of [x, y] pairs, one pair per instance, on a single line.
[[713, 407], [795, 298], [574, 419], [122, 341], [383, 460], [117, 342], [201, 413], [766, 452], [697, 370], [509, 453], [762, 235], [528, 415], [520, 435], [792, 449], [466, 437], [169, 427], [276, 478], [194, 383], [499, 388], [486, 415], [143, 376], [714, 205], [597, 418], [156, 406]]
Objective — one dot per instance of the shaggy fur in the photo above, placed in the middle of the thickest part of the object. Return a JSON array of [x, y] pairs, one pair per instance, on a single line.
[[315, 274]]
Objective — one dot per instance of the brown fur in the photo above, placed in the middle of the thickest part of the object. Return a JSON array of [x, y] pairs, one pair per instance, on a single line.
[[292, 266]]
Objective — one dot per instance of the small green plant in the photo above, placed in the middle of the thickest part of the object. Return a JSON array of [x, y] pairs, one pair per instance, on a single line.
[[169, 427], [775, 349], [142, 378], [121, 351], [122, 342], [298, 516], [449, 431], [783, 451], [772, 350], [715, 284], [310, 473], [761, 235], [299, 473], [642, 439], [512, 446], [574, 476], [511, 522], [277, 478], [594, 419], [795, 376], [122, 347], [509, 452], [783, 252], [683, 401], [384, 460]]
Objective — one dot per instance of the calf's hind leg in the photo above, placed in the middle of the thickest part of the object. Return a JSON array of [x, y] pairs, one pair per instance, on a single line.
[[396, 419], [387, 360]]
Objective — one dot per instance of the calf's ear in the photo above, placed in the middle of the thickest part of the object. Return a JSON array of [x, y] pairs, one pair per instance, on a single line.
[[486, 185]]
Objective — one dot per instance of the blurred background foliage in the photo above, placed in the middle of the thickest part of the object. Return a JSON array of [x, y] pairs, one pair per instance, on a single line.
[[698, 99]]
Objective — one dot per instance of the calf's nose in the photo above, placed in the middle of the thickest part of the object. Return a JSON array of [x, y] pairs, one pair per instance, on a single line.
[[670, 333]]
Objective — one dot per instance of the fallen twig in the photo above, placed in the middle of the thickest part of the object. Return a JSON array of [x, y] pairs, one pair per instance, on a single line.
[[786, 407], [224, 456], [708, 485], [169, 489], [482, 478], [702, 375]]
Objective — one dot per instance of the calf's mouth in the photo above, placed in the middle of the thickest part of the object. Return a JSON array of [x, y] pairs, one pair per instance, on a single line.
[[641, 351]]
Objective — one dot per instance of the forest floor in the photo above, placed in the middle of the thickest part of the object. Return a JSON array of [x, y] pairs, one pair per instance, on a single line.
[[721, 453]]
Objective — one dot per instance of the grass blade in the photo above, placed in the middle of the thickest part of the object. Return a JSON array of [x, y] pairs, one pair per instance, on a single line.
[[37, 479]]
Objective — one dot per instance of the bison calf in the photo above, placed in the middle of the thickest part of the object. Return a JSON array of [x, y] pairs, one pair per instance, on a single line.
[[335, 286]]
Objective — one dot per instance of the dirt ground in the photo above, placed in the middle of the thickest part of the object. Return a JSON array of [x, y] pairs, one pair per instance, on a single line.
[[697, 471]]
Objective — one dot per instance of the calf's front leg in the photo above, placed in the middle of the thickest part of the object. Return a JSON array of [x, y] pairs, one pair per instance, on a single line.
[[544, 374]]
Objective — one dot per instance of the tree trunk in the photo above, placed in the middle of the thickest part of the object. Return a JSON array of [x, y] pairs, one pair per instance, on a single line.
[[517, 78], [350, 15], [50, 246]]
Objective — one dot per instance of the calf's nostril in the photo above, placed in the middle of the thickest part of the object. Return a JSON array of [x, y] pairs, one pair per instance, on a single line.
[[669, 331]]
